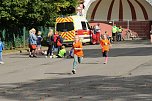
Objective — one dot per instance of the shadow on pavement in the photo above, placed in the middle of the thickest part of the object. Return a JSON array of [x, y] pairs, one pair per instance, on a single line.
[[59, 73], [117, 52], [88, 88]]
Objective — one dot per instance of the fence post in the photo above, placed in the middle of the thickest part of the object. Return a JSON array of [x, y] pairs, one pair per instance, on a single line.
[[24, 31], [128, 24], [14, 41], [3, 34]]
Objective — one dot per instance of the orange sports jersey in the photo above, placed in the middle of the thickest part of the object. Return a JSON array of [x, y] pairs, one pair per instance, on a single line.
[[105, 45], [79, 53]]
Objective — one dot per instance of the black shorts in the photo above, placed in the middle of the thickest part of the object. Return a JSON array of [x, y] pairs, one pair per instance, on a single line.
[[105, 54]]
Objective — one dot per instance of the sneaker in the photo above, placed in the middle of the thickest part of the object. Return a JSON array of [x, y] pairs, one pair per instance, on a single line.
[[1, 62], [73, 71], [46, 56], [105, 63], [34, 56], [50, 56]]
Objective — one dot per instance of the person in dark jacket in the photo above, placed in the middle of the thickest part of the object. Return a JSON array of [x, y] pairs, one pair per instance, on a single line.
[[50, 42]]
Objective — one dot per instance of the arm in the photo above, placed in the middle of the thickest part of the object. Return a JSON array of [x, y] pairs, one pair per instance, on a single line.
[[34, 37], [2, 45], [41, 38], [101, 44], [110, 45]]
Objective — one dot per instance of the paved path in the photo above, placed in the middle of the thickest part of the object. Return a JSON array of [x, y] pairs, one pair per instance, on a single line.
[[126, 77]]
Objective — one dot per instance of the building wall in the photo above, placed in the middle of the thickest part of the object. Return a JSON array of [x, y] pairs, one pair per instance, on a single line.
[[139, 28]]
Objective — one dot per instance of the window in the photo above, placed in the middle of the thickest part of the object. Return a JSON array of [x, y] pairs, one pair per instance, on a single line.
[[69, 26], [88, 25], [84, 27], [64, 27], [60, 27]]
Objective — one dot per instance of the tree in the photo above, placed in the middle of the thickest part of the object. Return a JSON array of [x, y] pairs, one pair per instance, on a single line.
[[33, 12]]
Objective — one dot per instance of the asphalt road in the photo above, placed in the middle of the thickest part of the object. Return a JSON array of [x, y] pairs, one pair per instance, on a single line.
[[126, 77]]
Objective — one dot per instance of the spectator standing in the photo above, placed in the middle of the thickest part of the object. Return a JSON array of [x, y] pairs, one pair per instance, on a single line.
[[59, 42], [32, 42], [119, 34], [97, 32], [1, 49], [50, 42], [55, 42], [39, 40], [151, 34], [114, 32]]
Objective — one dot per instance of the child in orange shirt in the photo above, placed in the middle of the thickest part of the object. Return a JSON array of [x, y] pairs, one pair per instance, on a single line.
[[78, 53], [105, 45]]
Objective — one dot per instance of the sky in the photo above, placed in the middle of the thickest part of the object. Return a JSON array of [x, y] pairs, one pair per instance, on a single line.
[[86, 2]]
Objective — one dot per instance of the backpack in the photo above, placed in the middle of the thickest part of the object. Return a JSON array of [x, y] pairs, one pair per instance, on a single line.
[[55, 37], [59, 41]]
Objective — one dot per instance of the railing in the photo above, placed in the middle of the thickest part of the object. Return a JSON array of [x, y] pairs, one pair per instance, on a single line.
[[19, 37]]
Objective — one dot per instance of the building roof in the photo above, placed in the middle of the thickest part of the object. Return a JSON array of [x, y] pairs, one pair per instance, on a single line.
[[103, 10]]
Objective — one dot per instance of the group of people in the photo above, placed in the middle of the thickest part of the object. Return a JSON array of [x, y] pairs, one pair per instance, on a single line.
[[117, 33], [54, 41], [78, 50]]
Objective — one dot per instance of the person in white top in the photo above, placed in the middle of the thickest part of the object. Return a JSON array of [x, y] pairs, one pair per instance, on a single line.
[[151, 34]]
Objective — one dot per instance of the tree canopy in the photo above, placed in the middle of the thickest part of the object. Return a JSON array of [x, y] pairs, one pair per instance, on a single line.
[[33, 12]]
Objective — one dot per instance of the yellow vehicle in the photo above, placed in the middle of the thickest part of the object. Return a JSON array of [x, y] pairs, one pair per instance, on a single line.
[[70, 26]]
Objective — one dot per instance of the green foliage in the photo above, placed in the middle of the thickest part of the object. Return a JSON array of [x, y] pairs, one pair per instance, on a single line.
[[33, 12], [16, 14]]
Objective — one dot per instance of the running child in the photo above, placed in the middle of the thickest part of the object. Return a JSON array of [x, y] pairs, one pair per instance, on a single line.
[[78, 53], [105, 45]]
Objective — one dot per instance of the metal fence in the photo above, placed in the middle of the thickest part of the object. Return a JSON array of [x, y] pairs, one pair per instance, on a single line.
[[19, 38]]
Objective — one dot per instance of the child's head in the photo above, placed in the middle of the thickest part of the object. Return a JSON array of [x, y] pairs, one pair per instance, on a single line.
[[39, 33], [76, 38], [106, 32], [50, 33], [32, 31], [63, 47], [104, 36]]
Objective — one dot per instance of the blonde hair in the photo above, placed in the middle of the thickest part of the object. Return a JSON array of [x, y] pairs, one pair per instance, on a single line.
[[50, 33], [32, 30]]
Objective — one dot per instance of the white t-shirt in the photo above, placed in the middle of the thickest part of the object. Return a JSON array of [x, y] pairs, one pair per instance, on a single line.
[[97, 28]]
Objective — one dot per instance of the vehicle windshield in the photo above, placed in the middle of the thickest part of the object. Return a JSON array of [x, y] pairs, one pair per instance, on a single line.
[[88, 25], [64, 27]]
